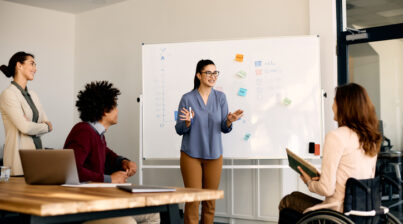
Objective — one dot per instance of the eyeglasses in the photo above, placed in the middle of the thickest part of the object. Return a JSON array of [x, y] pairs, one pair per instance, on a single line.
[[210, 74]]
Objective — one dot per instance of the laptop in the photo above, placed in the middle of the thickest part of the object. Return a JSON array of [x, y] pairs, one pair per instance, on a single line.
[[49, 167], [146, 189]]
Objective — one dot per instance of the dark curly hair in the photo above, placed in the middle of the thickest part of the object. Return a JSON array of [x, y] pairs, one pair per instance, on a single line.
[[98, 98]]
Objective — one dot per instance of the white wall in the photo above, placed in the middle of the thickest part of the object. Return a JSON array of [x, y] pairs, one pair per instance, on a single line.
[[364, 70], [49, 35], [105, 44], [109, 47], [109, 42], [391, 89]]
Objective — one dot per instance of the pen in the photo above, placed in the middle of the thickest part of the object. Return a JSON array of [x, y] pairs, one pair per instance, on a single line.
[[190, 111]]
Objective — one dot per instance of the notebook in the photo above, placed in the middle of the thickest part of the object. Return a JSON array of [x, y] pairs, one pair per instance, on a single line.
[[146, 189], [294, 161]]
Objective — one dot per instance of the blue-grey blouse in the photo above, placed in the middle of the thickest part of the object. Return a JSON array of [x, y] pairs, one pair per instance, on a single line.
[[203, 138]]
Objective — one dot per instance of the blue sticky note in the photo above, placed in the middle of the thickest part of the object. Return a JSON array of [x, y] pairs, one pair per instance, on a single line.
[[176, 115], [242, 92], [258, 63], [246, 137]]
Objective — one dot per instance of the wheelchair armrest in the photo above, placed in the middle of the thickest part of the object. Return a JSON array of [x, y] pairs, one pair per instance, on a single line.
[[391, 181], [363, 186]]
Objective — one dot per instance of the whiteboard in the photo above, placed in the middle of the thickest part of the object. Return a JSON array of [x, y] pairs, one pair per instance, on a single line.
[[282, 106]]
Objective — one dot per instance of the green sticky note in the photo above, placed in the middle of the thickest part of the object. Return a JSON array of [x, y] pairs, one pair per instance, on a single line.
[[287, 101], [241, 74]]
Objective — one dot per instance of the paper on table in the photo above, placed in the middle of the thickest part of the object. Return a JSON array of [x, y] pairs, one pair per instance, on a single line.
[[96, 185]]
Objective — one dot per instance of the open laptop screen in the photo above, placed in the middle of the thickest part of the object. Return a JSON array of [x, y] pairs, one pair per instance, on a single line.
[[49, 167]]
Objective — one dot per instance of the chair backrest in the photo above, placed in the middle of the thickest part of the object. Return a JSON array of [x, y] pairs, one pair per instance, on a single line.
[[363, 196], [384, 147]]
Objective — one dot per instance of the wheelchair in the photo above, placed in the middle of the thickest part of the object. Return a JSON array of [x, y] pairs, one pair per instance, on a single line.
[[362, 205]]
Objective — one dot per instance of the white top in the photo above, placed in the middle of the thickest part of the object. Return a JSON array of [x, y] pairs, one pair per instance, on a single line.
[[342, 158]]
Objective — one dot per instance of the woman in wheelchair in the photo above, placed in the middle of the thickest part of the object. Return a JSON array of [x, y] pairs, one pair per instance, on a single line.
[[349, 151]]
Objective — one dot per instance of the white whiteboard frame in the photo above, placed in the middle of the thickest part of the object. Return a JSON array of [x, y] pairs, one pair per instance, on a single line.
[[308, 156]]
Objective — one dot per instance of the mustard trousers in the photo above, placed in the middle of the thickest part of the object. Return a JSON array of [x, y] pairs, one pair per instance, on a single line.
[[200, 173]]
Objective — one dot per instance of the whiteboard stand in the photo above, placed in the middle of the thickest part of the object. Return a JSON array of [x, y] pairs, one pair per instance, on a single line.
[[324, 95], [141, 141]]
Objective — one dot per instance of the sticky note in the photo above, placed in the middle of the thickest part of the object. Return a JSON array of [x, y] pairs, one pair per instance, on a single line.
[[258, 71], [176, 115], [241, 74], [239, 57], [258, 63], [287, 101], [242, 92], [246, 137]]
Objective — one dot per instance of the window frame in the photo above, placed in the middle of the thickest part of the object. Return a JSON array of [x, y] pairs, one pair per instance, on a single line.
[[346, 38]]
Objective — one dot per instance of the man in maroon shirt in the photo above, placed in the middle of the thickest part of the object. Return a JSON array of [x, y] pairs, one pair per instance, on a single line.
[[97, 105]]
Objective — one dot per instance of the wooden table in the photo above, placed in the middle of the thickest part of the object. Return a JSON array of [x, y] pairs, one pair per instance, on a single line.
[[57, 204]]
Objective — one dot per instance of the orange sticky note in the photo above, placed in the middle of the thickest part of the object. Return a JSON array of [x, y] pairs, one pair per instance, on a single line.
[[239, 57]]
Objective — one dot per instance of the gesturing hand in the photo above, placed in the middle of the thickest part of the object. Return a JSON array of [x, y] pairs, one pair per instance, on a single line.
[[185, 116], [232, 117], [130, 167]]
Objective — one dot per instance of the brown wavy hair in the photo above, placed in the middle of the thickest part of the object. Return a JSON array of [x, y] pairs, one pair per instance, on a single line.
[[356, 111]]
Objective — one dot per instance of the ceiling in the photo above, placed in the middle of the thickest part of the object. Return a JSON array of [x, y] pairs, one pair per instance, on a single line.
[[69, 6], [360, 13], [371, 13]]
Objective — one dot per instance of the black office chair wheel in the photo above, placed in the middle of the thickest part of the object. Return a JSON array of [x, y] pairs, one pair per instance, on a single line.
[[325, 216]]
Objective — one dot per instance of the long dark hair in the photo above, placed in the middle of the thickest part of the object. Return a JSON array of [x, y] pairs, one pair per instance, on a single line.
[[200, 66], [20, 57], [356, 111]]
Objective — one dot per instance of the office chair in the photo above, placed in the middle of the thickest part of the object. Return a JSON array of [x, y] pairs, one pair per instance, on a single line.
[[385, 144]]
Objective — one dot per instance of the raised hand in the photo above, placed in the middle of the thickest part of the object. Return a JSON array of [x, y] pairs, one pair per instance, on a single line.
[[185, 116], [232, 117]]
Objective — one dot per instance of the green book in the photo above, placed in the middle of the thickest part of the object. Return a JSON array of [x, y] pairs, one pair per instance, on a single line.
[[295, 161]]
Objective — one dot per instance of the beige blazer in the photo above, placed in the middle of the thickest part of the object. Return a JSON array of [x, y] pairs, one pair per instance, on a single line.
[[18, 125], [343, 157]]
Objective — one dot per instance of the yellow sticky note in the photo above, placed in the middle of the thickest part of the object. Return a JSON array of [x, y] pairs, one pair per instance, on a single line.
[[239, 57]]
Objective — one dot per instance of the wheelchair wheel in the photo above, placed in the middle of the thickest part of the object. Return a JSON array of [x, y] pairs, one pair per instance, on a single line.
[[325, 216], [391, 219]]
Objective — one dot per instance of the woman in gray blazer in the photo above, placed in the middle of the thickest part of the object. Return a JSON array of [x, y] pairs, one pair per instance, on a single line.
[[23, 116]]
